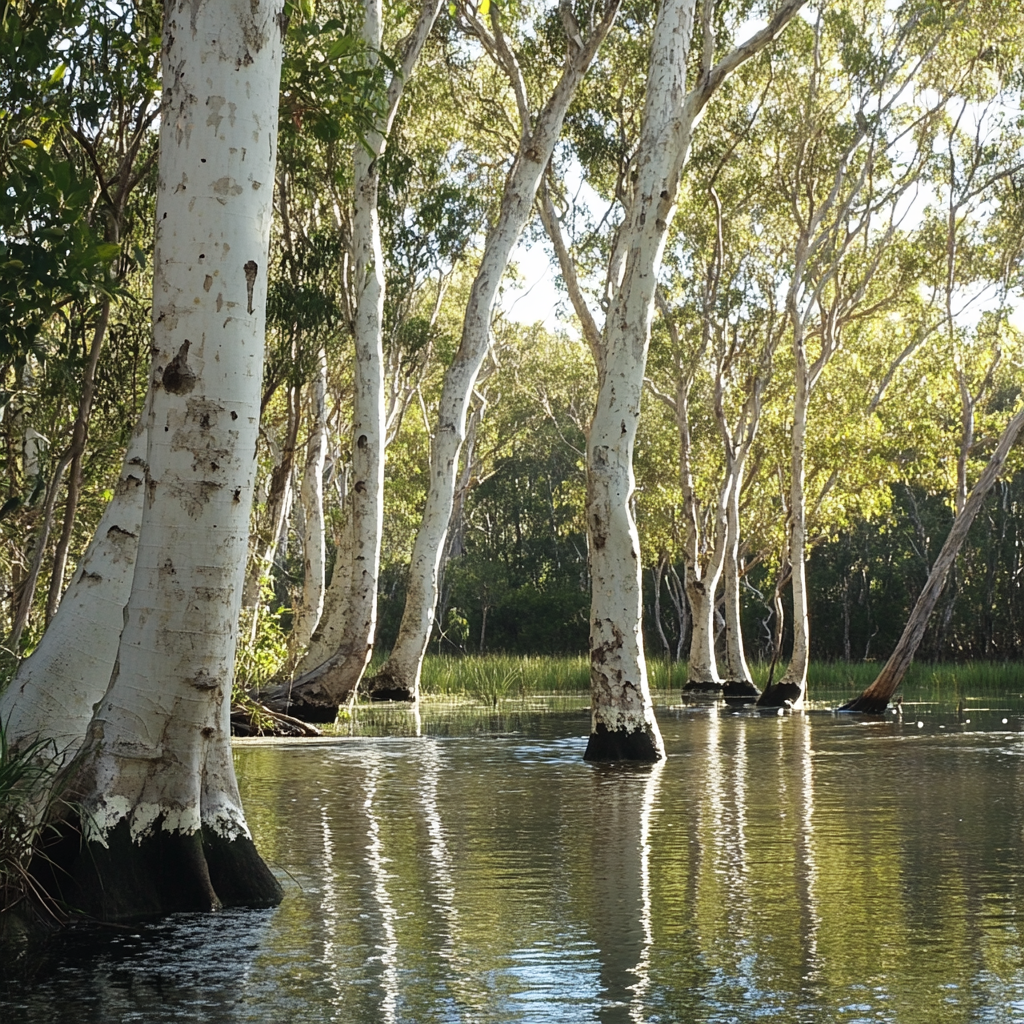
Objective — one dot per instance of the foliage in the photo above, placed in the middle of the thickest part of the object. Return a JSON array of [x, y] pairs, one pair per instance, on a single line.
[[29, 795]]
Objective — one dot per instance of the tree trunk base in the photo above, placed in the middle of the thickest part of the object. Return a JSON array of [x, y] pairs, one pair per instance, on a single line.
[[313, 697], [781, 695], [385, 686], [163, 873], [706, 689], [866, 705], [738, 692], [620, 745], [254, 719]]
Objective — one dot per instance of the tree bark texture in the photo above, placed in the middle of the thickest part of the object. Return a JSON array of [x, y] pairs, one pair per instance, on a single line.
[[623, 724], [400, 676], [162, 824], [55, 689]]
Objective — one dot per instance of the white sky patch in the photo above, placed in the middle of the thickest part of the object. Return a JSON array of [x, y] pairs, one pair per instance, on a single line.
[[535, 297]]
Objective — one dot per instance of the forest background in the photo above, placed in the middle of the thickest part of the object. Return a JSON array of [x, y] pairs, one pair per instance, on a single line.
[[881, 141]]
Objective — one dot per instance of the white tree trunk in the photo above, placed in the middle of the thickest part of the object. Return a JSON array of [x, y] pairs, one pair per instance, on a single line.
[[400, 676], [738, 681], [159, 803], [622, 715], [333, 669], [623, 724], [791, 689], [311, 497], [55, 689], [701, 591], [334, 665]]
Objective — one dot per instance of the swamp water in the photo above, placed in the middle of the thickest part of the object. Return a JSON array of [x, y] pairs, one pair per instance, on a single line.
[[797, 868]]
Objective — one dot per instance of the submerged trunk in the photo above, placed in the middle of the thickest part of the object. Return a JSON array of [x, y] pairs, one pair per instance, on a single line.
[[623, 727], [875, 698], [622, 716], [791, 689], [739, 683], [153, 787]]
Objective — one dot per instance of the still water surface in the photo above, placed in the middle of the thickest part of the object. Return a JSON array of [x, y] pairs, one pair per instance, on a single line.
[[806, 868]]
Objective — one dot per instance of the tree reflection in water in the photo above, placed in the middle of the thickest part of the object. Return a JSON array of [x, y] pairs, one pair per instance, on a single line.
[[805, 868]]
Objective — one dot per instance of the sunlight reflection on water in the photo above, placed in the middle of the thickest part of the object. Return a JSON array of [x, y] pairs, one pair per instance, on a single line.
[[802, 869]]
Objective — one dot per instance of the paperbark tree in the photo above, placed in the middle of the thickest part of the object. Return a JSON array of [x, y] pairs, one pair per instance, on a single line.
[[843, 237], [540, 130], [623, 725], [702, 573], [324, 683], [310, 604], [162, 828], [55, 689]]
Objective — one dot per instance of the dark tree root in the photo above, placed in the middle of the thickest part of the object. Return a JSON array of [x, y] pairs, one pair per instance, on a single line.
[[314, 711], [707, 690], [738, 691], [386, 687], [780, 695], [239, 875], [163, 873], [620, 745], [866, 705]]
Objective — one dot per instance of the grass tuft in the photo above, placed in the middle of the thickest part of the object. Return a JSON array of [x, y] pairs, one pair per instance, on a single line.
[[29, 792]]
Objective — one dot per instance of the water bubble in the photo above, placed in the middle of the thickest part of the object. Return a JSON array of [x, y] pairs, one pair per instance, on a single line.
[[1005, 720], [967, 721], [920, 725]]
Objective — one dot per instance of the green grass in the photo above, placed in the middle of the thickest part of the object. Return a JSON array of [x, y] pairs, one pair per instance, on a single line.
[[29, 791], [492, 678]]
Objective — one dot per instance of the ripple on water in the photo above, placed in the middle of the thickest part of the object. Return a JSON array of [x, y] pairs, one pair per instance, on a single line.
[[800, 869]]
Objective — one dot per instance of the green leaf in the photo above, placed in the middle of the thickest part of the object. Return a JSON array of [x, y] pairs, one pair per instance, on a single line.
[[107, 251], [341, 46]]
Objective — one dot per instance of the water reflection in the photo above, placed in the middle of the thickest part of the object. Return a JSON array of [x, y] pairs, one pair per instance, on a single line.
[[387, 945], [803, 868]]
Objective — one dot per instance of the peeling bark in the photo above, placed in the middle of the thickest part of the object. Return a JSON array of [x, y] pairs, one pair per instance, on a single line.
[[400, 675], [55, 689], [153, 787], [621, 700]]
